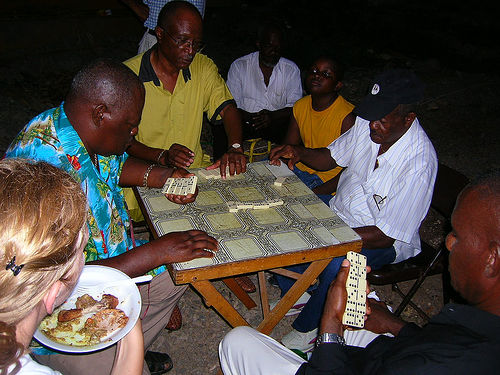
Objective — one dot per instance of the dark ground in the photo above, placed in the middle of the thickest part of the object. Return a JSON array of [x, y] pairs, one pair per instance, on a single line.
[[449, 44]]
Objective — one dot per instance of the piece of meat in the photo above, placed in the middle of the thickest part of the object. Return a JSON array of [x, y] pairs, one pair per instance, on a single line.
[[85, 301], [109, 301], [67, 315], [90, 305], [105, 322]]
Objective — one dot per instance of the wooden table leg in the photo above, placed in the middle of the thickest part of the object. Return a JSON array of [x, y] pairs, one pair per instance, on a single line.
[[293, 294], [220, 304], [239, 292], [264, 301]]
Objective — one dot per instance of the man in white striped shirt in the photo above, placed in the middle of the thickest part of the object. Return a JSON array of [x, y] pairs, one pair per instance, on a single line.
[[385, 191]]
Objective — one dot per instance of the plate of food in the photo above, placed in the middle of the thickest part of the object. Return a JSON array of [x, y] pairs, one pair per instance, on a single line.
[[94, 316]]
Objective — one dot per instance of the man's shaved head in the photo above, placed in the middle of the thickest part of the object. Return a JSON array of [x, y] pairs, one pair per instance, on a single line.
[[168, 13], [487, 188], [474, 243], [104, 81]]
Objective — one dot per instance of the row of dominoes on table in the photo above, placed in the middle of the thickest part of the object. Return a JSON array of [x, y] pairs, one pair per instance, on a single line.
[[260, 205], [213, 173]]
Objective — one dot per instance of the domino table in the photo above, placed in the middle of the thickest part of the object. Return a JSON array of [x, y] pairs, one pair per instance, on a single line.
[[268, 227]]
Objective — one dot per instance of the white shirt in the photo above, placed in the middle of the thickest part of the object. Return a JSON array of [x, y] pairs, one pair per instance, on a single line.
[[394, 197], [30, 367], [246, 82]]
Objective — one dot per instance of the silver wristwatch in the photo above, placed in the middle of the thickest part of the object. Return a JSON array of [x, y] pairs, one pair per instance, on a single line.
[[325, 338]]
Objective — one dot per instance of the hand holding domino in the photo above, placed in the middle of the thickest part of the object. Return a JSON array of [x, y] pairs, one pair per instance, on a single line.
[[355, 308]]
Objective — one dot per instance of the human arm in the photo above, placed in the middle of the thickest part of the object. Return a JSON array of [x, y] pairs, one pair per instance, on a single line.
[[316, 158], [374, 238], [336, 299], [234, 157], [347, 122], [328, 187], [246, 117], [129, 355], [137, 172], [178, 155], [170, 248], [381, 320], [139, 8], [266, 118], [292, 149], [293, 133]]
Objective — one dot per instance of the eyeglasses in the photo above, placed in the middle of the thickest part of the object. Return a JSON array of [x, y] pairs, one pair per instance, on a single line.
[[323, 73], [197, 46]]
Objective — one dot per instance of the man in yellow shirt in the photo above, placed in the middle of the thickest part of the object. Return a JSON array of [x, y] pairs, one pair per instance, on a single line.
[[181, 84]]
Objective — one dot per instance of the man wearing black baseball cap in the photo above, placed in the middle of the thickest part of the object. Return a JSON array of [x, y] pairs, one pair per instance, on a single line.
[[385, 191]]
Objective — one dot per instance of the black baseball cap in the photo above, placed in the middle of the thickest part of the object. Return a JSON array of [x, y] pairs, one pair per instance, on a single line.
[[388, 90]]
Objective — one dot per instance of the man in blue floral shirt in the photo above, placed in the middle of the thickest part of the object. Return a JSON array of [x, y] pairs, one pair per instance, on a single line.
[[87, 136]]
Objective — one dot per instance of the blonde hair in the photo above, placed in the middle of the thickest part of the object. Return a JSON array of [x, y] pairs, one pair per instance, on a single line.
[[43, 225]]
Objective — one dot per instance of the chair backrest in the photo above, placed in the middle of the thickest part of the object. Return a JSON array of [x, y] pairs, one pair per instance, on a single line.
[[449, 183]]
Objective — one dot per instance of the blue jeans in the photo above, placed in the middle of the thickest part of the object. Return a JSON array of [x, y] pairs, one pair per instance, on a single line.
[[311, 181], [310, 315]]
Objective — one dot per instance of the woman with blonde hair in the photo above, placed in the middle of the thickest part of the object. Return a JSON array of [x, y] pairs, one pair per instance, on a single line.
[[43, 232]]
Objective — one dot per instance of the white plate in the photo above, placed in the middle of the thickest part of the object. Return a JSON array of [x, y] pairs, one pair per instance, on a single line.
[[129, 301]]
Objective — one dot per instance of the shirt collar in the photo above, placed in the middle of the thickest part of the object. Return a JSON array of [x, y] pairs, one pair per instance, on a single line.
[[148, 74]]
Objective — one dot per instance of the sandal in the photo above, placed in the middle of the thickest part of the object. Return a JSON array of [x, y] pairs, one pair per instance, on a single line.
[[158, 363], [246, 284], [175, 321]]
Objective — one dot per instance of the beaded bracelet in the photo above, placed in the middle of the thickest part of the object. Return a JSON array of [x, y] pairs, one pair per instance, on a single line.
[[159, 156], [146, 175]]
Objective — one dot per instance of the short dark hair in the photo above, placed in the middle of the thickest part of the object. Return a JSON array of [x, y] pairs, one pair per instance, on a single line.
[[168, 12], [104, 79]]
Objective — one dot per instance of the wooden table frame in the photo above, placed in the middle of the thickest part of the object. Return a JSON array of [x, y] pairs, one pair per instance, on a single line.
[[319, 259], [201, 278]]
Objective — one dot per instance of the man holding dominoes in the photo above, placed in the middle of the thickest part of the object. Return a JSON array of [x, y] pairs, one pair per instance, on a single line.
[[461, 339], [385, 191]]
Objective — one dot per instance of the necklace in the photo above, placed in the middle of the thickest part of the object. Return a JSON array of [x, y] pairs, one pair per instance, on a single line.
[[96, 161]]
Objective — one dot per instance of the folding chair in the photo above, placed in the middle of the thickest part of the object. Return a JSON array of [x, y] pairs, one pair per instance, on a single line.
[[430, 261]]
